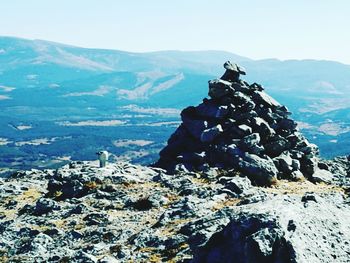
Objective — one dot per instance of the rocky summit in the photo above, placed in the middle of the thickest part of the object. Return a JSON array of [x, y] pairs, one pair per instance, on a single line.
[[237, 183], [129, 213], [241, 127]]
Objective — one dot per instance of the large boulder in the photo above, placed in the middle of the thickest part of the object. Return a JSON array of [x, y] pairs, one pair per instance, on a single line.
[[281, 230], [260, 170]]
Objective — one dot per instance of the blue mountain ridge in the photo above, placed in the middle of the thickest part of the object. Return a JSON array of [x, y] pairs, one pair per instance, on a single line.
[[47, 87]]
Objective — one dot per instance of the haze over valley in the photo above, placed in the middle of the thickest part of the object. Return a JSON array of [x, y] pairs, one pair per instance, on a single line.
[[61, 103]]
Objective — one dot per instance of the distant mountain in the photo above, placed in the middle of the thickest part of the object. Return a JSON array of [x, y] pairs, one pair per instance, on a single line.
[[44, 83], [18, 52]]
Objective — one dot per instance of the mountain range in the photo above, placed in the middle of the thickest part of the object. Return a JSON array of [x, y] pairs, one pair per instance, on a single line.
[[60, 102]]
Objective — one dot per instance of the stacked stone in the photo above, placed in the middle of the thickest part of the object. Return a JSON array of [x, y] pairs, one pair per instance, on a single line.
[[240, 127]]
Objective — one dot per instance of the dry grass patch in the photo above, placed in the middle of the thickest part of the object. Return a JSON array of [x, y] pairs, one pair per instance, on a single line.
[[201, 181], [60, 223], [173, 226], [166, 232], [42, 228], [92, 185], [172, 199], [226, 203], [155, 258], [142, 185], [146, 249], [31, 195], [9, 214], [4, 258], [180, 221], [170, 254], [301, 187]]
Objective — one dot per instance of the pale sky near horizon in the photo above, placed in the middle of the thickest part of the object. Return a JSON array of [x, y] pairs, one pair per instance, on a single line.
[[298, 29]]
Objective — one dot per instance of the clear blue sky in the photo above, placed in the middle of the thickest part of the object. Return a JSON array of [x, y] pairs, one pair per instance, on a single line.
[[282, 29]]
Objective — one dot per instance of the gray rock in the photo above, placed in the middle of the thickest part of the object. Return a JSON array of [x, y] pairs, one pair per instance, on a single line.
[[69, 184], [295, 154], [256, 86], [295, 165], [308, 165], [241, 130], [251, 139], [296, 138], [210, 134], [263, 128], [205, 211], [39, 246], [241, 87], [284, 163], [276, 146], [44, 206], [96, 219], [192, 157], [307, 147], [201, 230], [177, 143], [234, 151], [260, 170], [234, 67], [194, 127], [236, 184], [243, 115], [263, 98], [281, 230], [235, 111], [108, 259], [323, 165], [212, 216], [82, 257], [296, 175], [250, 143], [340, 168], [211, 110], [287, 124], [232, 72], [322, 176], [219, 88], [243, 101], [234, 155], [283, 111]]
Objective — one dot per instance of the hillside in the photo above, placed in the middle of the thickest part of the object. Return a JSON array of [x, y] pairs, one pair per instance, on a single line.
[[236, 182], [51, 93]]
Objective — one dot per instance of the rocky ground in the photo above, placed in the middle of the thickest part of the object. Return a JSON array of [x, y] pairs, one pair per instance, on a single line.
[[128, 213], [240, 184]]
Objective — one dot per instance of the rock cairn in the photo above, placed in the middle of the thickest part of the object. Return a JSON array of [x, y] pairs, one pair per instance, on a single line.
[[240, 127]]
